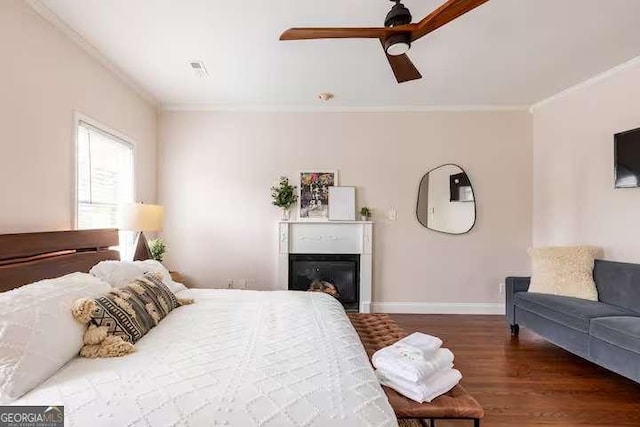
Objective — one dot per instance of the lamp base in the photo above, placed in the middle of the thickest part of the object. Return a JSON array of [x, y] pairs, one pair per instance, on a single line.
[[142, 252]]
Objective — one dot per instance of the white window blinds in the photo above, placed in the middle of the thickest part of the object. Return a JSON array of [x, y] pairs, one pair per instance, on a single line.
[[104, 177]]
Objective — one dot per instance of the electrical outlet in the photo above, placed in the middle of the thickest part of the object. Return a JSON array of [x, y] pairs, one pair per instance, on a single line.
[[392, 214], [501, 288]]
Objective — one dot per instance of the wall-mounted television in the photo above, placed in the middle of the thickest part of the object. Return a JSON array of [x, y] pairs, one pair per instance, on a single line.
[[627, 158]]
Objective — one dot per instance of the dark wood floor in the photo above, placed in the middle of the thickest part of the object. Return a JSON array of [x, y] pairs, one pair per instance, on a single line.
[[526, 381]]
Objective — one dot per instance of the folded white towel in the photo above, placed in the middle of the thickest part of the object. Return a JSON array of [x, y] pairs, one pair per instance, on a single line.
[[422, 392], [391, 361], [418, 346]]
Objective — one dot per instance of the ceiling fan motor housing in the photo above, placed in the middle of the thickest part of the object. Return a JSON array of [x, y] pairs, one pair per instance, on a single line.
[[399, 15], [398, 44]]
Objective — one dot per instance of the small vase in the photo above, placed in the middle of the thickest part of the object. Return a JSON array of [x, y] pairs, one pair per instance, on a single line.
[[286, 214], [364, 218]]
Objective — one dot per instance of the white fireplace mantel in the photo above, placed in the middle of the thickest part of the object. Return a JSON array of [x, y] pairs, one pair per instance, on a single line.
[[328, 237]]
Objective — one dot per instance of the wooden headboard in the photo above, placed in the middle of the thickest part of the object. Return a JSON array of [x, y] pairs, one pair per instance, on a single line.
[[29, 257]]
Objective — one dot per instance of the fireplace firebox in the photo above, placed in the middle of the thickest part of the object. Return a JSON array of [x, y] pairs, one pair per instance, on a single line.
[[340, 270]]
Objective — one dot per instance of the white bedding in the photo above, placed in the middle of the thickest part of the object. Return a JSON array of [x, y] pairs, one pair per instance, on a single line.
[[234, 358]]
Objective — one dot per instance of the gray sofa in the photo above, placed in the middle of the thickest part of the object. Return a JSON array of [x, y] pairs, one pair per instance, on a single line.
[[606, 332]]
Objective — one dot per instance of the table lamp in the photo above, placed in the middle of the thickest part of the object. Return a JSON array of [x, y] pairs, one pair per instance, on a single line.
[[140, 218]]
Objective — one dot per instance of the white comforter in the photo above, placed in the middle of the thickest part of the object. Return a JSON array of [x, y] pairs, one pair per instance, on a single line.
[[234, 358]]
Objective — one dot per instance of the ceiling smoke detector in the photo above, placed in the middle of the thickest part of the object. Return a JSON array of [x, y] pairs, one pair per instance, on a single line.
[[198, 68], [326, 96]]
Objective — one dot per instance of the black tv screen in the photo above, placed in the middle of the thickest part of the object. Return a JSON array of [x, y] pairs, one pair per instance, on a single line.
[[627, 158]]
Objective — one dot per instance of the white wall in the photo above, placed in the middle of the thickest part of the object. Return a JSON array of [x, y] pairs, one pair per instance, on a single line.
[[574, 197], [215, 171], [44, 78]]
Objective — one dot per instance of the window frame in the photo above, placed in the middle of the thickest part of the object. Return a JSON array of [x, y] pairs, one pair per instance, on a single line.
[[78, 119]]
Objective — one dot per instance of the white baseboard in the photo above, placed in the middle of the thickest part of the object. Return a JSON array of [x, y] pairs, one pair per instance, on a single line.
[[437, 308]]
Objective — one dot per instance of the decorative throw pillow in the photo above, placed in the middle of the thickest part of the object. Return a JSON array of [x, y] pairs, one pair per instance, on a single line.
[[566, 271], [123, 316], [38, 335]]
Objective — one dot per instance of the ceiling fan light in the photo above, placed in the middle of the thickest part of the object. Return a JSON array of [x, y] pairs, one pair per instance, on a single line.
[[397, 44]]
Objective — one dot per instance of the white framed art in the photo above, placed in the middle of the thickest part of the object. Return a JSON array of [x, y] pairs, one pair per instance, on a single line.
[[342, 203], [313, 192]]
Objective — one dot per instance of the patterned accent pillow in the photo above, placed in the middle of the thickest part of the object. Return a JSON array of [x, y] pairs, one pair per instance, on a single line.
[[131, 311]]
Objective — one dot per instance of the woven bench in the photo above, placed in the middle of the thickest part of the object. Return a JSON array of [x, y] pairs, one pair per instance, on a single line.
[[379, 330]]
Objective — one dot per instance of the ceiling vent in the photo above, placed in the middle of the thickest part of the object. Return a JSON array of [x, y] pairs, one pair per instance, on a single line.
[[199, 69]]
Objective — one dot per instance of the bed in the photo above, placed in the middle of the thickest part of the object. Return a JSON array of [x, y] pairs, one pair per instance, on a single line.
[[234, 358]]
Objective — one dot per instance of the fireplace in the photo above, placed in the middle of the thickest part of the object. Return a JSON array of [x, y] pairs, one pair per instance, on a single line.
[[344, 247], [341, 271]]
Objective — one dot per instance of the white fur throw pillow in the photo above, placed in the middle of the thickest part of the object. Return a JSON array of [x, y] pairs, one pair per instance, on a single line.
[[566, 271]]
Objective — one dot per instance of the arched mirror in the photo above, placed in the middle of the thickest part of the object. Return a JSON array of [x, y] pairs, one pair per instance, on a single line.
[[446, 202]]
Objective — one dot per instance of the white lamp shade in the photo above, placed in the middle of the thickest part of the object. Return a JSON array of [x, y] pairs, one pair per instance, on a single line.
[[140, 217]]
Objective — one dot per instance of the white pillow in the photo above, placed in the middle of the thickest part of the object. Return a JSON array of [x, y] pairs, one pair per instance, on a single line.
[[153, 266], [121, 273], [38, 333], [117, 273]]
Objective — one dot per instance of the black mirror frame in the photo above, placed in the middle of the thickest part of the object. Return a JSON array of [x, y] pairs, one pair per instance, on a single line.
[[475, 207]]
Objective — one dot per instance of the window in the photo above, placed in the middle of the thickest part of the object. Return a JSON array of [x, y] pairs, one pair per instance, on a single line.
[[104, 178]]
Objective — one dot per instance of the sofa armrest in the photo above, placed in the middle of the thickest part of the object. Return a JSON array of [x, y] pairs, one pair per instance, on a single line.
[[513, 285]]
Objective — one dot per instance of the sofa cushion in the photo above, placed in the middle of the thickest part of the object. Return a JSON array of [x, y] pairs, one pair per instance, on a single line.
[[615, 358], [620, 331], [618, 283], [572, 312], [568, 338]]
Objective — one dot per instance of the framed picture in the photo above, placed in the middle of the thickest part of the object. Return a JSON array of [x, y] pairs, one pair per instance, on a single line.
[[342, 203], [314, 193]]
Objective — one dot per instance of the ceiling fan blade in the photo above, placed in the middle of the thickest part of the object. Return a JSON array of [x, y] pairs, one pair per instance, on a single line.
[[446, 13], [402, 67], [335, 33]]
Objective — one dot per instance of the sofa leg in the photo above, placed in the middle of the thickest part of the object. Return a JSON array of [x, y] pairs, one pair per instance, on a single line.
[[515, 330]]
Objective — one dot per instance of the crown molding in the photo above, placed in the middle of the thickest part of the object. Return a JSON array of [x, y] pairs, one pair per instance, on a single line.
[[339, 109], [587, 83], [51, 17]]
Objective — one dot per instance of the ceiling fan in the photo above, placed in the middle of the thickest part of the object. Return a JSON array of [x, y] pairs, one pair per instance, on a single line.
[[397, 34]]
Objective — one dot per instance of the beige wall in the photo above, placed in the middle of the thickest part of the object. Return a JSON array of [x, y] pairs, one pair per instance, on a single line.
[[574, 197], [216, 169], [44, 78]]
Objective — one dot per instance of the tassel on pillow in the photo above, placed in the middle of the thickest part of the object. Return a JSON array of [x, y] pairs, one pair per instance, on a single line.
[[97, 342], [95, 334], [110, 346], [83, 309]]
